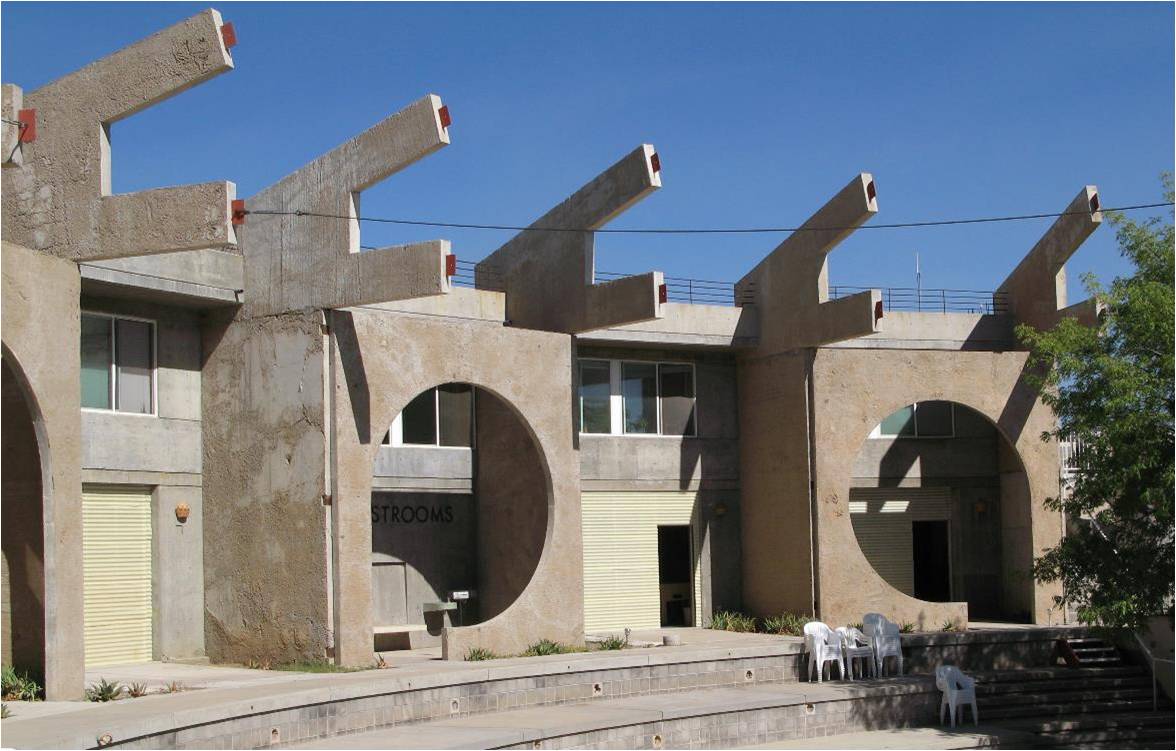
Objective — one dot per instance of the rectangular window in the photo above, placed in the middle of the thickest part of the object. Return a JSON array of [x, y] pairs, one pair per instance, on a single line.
[[634, 397], [934, 420], [118, 364], [595, 396], [639, 391], [676, 384], [441, 416]]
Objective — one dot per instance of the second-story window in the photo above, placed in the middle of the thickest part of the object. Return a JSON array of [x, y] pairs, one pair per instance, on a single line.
[[921, 420], [636, 397], [441, 416], [118, 364]]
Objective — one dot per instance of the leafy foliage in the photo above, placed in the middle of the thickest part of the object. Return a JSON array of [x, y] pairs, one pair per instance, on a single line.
[[545, 647], [728, 620], [477, 654], [612, 641], [1111, 387], [104, 690], [906, 628], [788, 624], [19, 686]]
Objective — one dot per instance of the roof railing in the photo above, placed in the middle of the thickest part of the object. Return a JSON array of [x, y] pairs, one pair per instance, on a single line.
[[917, 300]]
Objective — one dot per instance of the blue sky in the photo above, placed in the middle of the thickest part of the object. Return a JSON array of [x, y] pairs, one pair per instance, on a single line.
[[759, 113]]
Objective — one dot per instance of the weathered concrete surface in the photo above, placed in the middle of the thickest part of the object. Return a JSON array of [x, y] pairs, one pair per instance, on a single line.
[[301, 262], [59, 199], [1037, 287], [40, 337], [686, 325], [380, 361], [192, 278], [11, 103], [511, 490], [777, 523], [177, 567], [265, 527], [949, 331], [548, 275], [853, 390], [791, 285]]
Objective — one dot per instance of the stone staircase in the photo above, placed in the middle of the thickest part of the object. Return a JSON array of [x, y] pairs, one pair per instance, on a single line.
[[1088, 652], [1082, 707]]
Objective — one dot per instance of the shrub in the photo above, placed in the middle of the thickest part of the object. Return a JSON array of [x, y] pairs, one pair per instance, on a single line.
[[19, 686], [948, 626], [612, 641], [477, 654], [104, 690], [545, 647], [788, 624], [135, 690], [906, 628], [729, 620]]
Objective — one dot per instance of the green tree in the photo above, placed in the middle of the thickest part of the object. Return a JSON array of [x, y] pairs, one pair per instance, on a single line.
[[1111, 387]]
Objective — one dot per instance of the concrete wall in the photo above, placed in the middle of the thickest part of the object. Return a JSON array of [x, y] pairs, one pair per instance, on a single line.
[[265, 526], [853, 390], [380, 361], [424, 468], [40, 337]]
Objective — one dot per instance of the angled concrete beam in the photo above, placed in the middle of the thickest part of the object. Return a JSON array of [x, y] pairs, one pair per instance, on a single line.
[[57, 186], [1036, 290], [301, 262], [548, 276], [791, 285]]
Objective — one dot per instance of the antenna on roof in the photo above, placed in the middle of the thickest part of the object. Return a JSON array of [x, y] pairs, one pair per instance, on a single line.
[[918, 283]]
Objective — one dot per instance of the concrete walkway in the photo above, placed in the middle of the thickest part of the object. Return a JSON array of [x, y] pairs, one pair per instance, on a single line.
[[913, 738]]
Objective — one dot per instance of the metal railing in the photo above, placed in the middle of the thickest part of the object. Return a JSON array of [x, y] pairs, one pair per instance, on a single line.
[[465, 277], [917, 300], [695, 291], [1152, 659]]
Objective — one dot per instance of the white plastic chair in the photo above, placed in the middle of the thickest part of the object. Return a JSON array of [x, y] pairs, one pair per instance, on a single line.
[[855, 646], [958, 690], [884, 638], [822, 645]]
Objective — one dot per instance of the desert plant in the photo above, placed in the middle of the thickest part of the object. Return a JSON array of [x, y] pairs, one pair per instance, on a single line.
[[174, 687], [787, 624], [19, 686], [948, 626], [477, 654], [262, 664], [906, 628], [612, 641], [381, 663], [859, 626], [135, 690], [314, 666], [104, 690], [545, 647]]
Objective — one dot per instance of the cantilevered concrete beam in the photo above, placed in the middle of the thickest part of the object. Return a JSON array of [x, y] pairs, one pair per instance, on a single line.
[[791, 285], [314, 260], [57, 184], [1036, 290], [548, 275]]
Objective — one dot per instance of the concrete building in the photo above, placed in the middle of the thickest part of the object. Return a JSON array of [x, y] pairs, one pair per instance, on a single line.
[[230, 433]]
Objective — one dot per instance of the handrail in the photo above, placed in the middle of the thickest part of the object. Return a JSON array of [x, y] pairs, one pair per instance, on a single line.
[[1153, 659]]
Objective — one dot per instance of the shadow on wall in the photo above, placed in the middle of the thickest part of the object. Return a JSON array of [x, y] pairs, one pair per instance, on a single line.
[[23, 539]]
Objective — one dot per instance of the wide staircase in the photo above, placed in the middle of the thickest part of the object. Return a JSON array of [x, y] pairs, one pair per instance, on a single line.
[[1094, 700]]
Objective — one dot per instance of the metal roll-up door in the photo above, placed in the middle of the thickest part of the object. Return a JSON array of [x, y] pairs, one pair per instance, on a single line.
[[881, 519], [116, 547], [621, 587]]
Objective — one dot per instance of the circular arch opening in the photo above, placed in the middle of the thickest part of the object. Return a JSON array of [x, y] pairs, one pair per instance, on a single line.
[[460, 511], [940, 506]]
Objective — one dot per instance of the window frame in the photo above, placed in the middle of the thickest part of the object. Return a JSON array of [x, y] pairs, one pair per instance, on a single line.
[[396, 429], [877, 434], [114, 318], [617, 398]]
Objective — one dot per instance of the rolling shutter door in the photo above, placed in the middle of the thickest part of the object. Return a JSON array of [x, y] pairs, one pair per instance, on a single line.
[[621, 588], [116, 545], [881, 519]]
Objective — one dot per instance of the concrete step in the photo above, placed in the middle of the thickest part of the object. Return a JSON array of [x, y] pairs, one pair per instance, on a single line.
[[1115, 737], [1062, 684], [1069, 708], [1077, 723], [1050, 673], [1063, 697]]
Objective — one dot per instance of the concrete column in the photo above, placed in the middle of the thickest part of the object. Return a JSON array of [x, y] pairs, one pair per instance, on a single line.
[[57, 190], [547, 272], [1036, 290]]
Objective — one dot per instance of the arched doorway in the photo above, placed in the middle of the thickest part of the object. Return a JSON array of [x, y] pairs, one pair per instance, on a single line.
[[939, 502], [23, 541], [460, 506]]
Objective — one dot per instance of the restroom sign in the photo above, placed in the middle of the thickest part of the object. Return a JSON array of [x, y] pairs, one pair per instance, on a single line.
[[410, 513]]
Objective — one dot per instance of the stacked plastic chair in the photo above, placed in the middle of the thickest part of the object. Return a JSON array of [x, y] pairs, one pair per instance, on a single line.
[[885, 640]]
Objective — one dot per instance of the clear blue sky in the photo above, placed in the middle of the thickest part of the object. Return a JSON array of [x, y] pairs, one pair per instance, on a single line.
[[759, 113]]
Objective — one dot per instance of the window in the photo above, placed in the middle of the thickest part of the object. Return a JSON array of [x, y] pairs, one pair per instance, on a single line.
[[441, 416], [118, 364], [636, 398], [921, 420]]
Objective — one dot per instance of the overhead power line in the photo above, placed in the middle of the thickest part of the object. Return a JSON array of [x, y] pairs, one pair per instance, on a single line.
[[696, 230]]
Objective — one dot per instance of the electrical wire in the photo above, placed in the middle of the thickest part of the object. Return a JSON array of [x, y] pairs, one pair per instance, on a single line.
[[699, 231]]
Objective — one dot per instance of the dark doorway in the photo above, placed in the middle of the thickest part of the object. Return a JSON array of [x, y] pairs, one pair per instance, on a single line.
[[932, 560], [673, 568]]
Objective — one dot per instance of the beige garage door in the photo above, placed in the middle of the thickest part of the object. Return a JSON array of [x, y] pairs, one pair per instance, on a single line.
[[116, 539], [621, 587]]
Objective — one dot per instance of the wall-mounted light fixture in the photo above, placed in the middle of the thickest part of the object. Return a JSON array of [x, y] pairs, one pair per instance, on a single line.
[[720, 509], [183, 511]]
